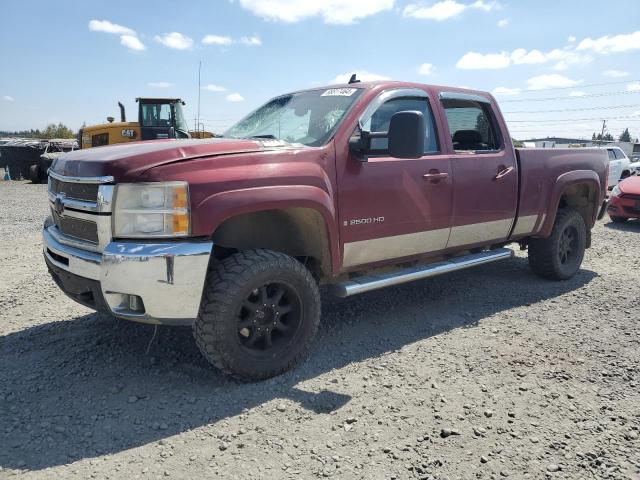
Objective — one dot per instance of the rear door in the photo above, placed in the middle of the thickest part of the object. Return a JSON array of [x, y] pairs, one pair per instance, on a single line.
[[391, 207], [485, 186]]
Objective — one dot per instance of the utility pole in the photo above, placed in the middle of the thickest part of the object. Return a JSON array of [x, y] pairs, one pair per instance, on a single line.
[[604, 127], [199, 68]]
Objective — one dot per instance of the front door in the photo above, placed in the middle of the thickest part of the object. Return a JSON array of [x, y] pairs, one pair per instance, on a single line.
[[389, 207], [485, 190]]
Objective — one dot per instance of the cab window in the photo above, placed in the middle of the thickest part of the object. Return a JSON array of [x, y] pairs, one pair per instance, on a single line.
[[156, 115], [379, 122], [471, 125], [612, 155]]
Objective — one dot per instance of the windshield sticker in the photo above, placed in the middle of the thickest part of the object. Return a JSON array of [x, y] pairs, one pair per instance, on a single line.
[[338, 92]]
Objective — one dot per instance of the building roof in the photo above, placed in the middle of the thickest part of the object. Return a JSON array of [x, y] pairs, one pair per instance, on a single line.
[[560, 140]]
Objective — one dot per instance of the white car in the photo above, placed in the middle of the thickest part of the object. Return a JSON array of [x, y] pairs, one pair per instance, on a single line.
[[618, 166], [634, 166]]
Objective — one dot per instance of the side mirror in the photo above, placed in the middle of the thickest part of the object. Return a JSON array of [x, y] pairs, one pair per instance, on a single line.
[[406, 134], [360, 144]]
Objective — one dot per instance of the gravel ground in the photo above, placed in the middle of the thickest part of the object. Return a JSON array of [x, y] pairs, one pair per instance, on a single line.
[[487, 373]]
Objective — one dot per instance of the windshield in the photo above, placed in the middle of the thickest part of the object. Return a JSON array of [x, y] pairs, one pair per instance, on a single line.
[[308, 117]]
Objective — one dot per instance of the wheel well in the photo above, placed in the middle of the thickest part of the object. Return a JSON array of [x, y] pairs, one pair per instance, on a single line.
[[298, 232], [625, 174], [581, 197]]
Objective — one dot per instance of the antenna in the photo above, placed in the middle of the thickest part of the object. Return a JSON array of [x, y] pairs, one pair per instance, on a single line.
[[353, 79], [199, 68]]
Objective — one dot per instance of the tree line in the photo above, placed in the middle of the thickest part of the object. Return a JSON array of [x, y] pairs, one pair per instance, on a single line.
[[625, 136], [51, 131]]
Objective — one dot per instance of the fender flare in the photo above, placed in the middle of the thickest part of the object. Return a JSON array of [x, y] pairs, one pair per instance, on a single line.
[[217, 208], [562, 183]]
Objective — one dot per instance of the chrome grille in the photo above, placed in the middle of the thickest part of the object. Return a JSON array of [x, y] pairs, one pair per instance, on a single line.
[[79, 191], [81, 210], [76, 227]]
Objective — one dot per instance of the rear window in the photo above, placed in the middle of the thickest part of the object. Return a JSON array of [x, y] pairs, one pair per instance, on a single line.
[[612, 156]]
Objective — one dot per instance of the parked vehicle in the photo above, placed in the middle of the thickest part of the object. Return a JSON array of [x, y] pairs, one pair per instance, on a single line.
[[23, 156], [634, 167], [618, 165], [624, 201], [358, 186]]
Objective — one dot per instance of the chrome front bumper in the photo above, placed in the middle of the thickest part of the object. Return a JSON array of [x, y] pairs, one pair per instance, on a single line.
[[168, 277]]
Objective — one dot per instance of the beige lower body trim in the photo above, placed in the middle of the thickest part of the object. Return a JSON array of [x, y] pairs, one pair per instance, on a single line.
[[479, 232], [397, 246], [525, 224]]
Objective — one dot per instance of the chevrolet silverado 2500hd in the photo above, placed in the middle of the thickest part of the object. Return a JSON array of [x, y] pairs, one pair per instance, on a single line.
[[357, 186]]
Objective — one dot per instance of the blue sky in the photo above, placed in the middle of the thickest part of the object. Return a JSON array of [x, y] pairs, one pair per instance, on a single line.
[[72, 61]]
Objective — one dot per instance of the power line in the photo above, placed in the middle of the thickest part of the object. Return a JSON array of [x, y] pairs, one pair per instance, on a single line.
[[575, 97], [626, 117], [605, 107]]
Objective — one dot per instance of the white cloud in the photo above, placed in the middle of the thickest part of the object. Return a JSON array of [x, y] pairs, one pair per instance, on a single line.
[[160, 84], [251, 41], [444, 9], [132, 43], [633, 87], [8, 98], [235, 97], [504, 91], [108, 27], [503, 23], [479, 61], [615, 44], [175, 40], [362, 75], [425, 69], [521, 56], [340, 12], [571, 39], [552, 80], [217, 40], [615, 73], [214, 88], [577, 93]]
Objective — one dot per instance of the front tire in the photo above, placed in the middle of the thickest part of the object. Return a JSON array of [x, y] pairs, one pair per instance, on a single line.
[[260, 311], [559, 256]]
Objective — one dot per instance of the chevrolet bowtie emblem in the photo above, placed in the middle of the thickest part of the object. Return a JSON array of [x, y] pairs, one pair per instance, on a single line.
[[58, 206]]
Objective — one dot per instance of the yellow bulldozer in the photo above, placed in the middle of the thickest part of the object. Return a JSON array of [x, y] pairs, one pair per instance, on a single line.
[[157, 118]]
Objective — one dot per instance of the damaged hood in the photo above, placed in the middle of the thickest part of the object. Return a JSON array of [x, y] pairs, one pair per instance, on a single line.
[[128, 160]]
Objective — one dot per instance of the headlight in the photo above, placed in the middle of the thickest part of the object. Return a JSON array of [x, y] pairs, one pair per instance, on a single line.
[[151, 210], [616, 191]]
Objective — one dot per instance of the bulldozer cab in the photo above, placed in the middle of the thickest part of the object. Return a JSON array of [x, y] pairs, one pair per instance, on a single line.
[[161, 118]]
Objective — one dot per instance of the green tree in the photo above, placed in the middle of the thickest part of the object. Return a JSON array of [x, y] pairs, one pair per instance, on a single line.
[[625, 136], [58, 131]]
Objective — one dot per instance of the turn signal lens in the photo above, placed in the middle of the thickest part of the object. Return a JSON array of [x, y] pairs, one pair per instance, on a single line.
[[181, 223]]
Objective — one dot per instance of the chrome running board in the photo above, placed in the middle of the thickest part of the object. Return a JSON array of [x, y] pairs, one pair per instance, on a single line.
[[366, 284]]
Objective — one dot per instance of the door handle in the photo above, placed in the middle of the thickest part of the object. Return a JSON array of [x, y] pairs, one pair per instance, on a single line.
[[434, 176], [504, 171]]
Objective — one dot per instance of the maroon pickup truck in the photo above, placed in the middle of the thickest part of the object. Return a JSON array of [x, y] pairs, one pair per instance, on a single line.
[[357, 186]]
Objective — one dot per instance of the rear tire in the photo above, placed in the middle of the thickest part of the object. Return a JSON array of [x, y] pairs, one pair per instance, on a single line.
[[559, 256], [260, 311], [618, 219]]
